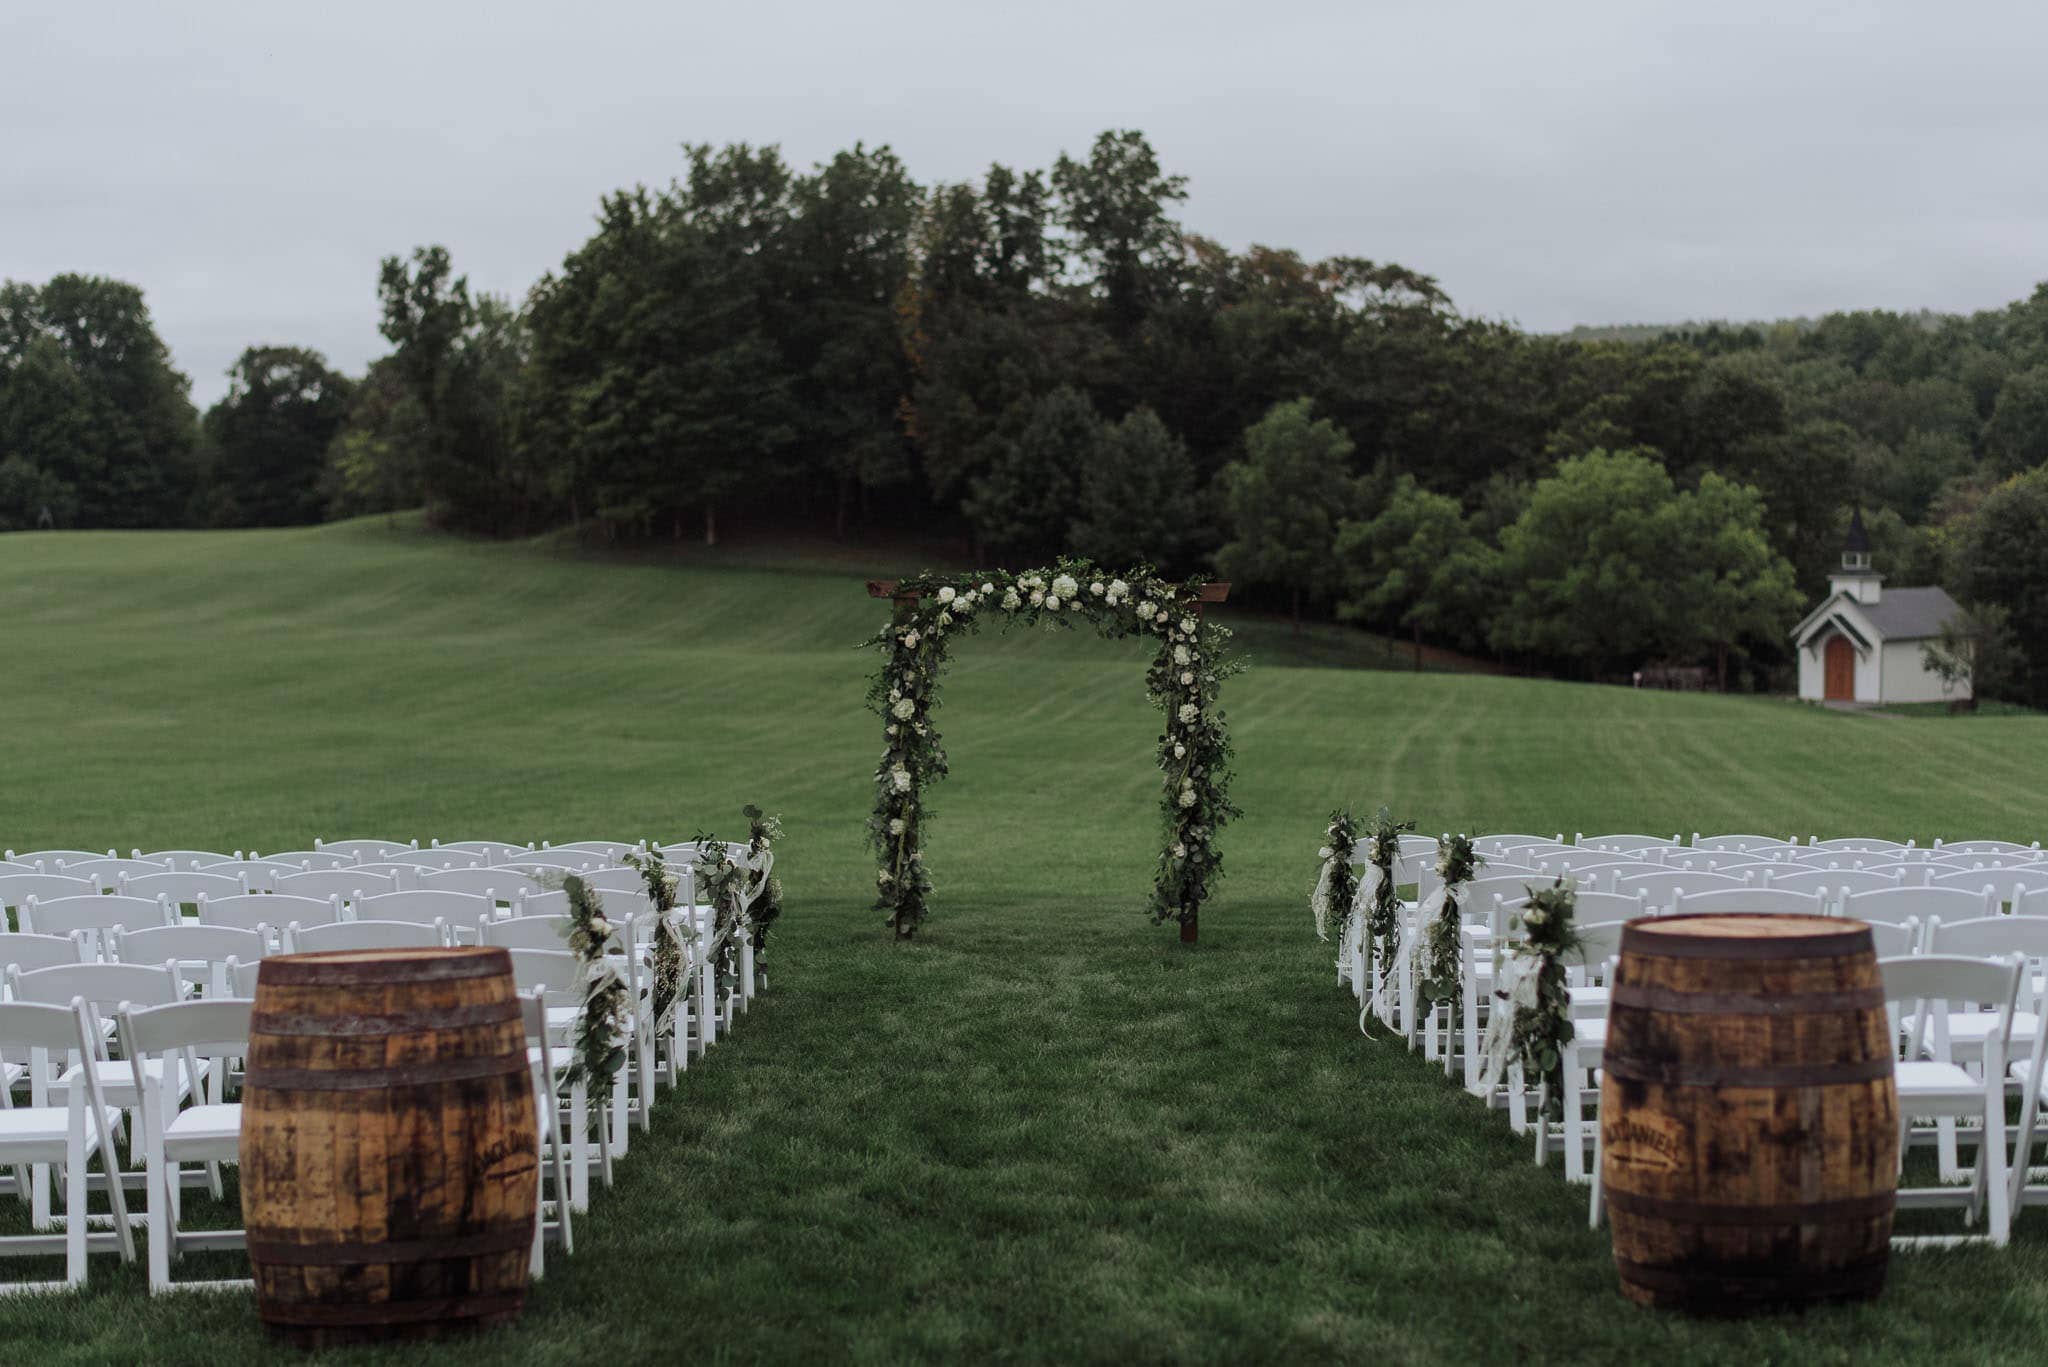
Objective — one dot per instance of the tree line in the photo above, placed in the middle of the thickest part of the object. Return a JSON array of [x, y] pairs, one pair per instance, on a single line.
[[1047, 359]]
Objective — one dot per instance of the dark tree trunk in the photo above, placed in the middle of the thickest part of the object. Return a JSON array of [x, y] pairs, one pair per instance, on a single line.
[[1187, 929], [1297, 610], [1723, 650], [1418, 647], [839, 519], [711, 524]]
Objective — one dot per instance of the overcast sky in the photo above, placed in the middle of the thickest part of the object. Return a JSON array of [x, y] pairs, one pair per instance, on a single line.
[[247, 164]]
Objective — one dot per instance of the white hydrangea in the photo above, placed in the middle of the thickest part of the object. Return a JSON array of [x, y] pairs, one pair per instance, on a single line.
[[1180, 655], [1065, 587], [897, 827], [900, 776], [904, 709], [947, 595], [1187, 679], [1145, 608], [1118, 590], [1188, 712], [1187, 797], [1011, 602], [1179, 751]]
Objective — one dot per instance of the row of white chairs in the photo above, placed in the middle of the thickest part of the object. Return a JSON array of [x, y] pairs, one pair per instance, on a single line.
[[150, 985]]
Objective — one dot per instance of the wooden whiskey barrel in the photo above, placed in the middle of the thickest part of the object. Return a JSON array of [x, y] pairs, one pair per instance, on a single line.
[[388, 1155], [1749, 1120]]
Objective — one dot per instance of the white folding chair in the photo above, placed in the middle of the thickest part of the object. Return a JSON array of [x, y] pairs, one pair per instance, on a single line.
[[200, 953], [272, 910], [57, 1040], [349, 884], [92, 916], [418, 904], [1753, 901], [1931, 984], [556, 976], [358, 850], [187, 860], [157, 1041], [300, 939], [183, 888], [540, 1052]]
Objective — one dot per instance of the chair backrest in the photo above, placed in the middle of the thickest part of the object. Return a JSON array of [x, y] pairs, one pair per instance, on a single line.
[[629, 880], [1510, 887], [555, 972], [314, 859], [1526, 848], [536, 867], [258, 873], [438, 859], [421, 906], [1599, 945], [402, 875], [2005, 884], [348, 884], [365, 935], [105, 872], [1858, 844], [2020, 860], [1986, 937], [275, 910], [1834, 881], [1987, 847], [179, 888], [527, 932], [610, 851], [242, 977], [1895, 905], [1748, 902], [1429, 882], [489, 851], [101, 986], [1609, 906], [1891, 941], [503, 885], [690, 851], [62, 915], [554, 903], [1625, 844], [218, 1028], [1740, 843], [9, 866], [184, 859], [48, 858], [17, 888], [1581, 863], [364, 849], [28, 951], [200, 952], [1922, 978], [1721, 861], [1660, 885], [48, 1036]]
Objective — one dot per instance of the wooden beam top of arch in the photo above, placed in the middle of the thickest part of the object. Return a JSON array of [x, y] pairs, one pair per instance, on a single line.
[[886, 588]]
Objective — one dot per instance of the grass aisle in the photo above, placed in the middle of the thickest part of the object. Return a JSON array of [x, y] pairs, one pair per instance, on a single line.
[[1043, 1131]]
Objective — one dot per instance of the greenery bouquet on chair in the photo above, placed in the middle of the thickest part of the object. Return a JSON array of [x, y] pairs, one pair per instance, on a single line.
[[1443, 928], [1379, 901], [1336, 885], [1532, 1019]]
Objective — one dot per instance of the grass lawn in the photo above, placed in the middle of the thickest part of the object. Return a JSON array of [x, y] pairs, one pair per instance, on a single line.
[[1043, 1130]]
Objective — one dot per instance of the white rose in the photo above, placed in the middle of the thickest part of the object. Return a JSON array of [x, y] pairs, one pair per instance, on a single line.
[[1180, 655], [1161, 617], [910, 639], [1038, 598], [882, 878], [1187, 624], [1011, 602], [894, 694], [1180, 851], [1074, 605], [1179, 751], [1187, 797], [1186, 680], [1188, 713], [890, 730], [1052, 603], [900, 776], [896, 827], [1119, 589], [1145, 609], [1096, 588], [1536, 917], [946, 594], [1065, 587], [987, 589], [904, 709]]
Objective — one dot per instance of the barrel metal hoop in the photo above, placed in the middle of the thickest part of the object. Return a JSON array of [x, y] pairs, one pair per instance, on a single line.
[[1673, 1001], [1669, 1074], [282, 1253], [354, 1313], [333, 967], [1706, 1283], [1643, 937], [1847, 1210], [371, 1024], [272, 1078]]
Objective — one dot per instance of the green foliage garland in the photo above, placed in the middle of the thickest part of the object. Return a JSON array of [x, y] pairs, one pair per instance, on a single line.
[[1336, 885], [762, 833], [1543, 1018], [1442, 969], [1383, 918], [1184, 680], [670, 962], [723, 883], [600, 1042]]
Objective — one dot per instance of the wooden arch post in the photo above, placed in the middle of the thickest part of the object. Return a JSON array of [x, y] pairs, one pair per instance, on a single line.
[[1215, 592]]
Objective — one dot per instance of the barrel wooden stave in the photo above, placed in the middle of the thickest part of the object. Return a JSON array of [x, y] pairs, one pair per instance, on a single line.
[[389, 1162], [1749, 1116]]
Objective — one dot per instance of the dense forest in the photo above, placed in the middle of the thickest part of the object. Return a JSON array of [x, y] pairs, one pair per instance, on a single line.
[[1048, 359]]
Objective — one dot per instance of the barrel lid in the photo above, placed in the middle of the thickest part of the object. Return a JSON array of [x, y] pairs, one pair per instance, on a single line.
[[359, 967], [1745, 936]]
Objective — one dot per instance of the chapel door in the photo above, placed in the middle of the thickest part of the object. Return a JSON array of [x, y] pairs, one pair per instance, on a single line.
[[1841, 670]]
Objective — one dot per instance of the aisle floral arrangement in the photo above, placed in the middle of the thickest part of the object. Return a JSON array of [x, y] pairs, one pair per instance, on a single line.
[[600, 1035], [1442, 966], [1532, 1022], [1378, 917], [1336, 885], [1184, 678]]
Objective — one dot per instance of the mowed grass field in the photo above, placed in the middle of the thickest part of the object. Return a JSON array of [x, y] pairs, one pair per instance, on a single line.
[[1043, 1130]]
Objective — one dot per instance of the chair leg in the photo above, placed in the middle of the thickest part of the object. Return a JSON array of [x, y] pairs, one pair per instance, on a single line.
[[579, 1146], [1471, 1031], [160, 1222], [1574, 1119], [1993, 1163], [74, 1204]]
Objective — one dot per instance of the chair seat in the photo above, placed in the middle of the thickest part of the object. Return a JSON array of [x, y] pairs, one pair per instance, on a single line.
[[1972, 1028], [119, 1078], [1926, 1083], [44, 1125], [196, 1124], [1591, 998]]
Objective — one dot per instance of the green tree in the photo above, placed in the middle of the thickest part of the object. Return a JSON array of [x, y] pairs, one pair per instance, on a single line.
[[1281, 503], [1141, 500], [2001, 561], [1024, 502], [267, 438], [1587, 564], [1728, 584], [2017, 434], [1975, 649], [1414, 564], [1114, 205]]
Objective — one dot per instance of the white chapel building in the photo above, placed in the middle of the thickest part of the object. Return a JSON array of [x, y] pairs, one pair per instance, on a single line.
[[1862, 644]]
